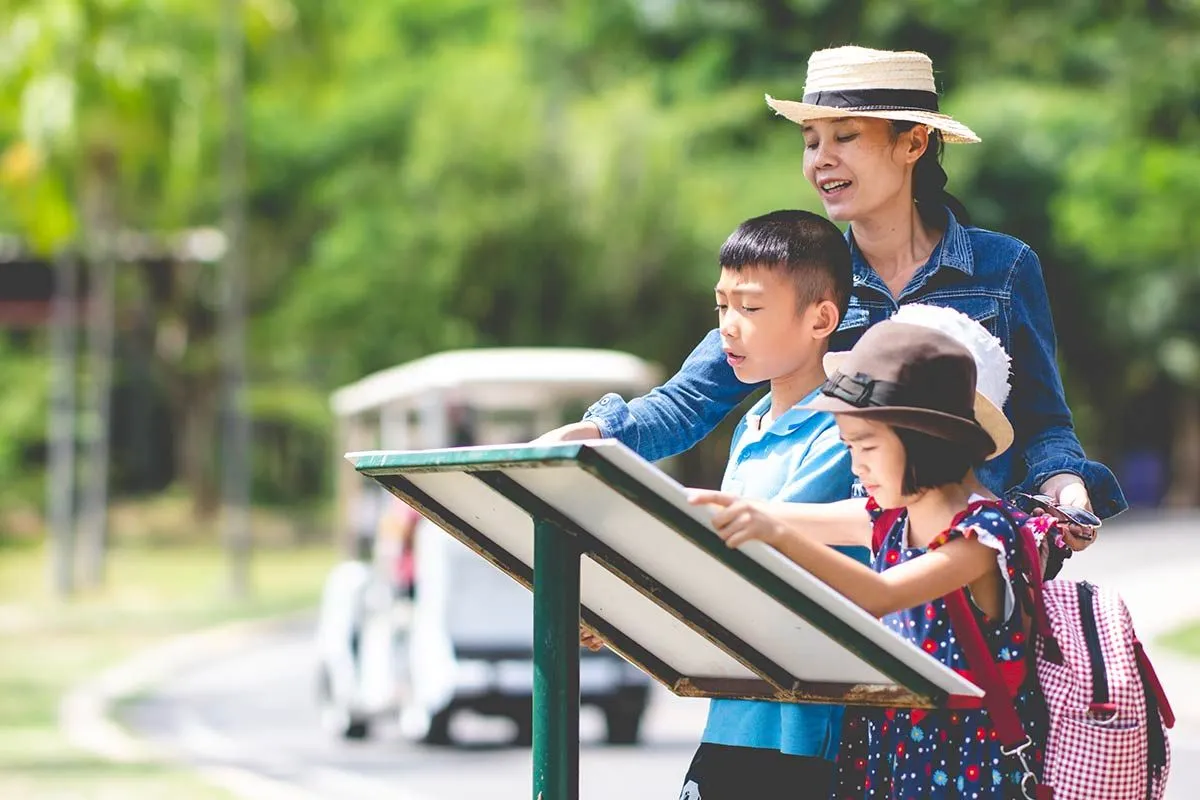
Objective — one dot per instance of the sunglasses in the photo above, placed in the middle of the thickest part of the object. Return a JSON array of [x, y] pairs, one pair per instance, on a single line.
[[1070, 514]]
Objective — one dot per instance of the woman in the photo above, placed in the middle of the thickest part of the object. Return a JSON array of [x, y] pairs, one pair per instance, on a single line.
[[873, 136]]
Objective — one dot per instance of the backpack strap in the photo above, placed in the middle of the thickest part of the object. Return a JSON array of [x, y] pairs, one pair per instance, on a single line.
[[1154, 686], [882, 526], [996, 698], [1158, 716], [1041, 620]]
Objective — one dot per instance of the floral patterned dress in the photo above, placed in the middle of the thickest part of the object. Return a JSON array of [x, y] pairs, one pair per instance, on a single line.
[[901, 754]]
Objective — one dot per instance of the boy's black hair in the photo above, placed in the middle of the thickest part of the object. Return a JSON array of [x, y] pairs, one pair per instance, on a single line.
[[930, 462], [806, 246]]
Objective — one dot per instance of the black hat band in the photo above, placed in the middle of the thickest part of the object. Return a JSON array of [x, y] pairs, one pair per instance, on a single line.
[[876, 100], [863, 391], [860, 391]]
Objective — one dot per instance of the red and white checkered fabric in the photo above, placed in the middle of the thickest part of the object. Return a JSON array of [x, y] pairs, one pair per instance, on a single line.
[[1090, 756]]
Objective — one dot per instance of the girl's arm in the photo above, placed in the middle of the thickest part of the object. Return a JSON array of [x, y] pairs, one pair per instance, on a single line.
[[673, 417], [1045, 435], [935, 574], [955, 564]]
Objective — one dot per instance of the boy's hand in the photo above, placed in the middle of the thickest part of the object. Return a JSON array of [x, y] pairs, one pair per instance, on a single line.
[[590, 639], [738, 520], [575, 432]]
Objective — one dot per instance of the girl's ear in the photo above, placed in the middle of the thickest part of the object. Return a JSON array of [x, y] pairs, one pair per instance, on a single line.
[[825, 319]]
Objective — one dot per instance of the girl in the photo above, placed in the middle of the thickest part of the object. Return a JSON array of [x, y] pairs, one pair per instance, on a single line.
[[906, 405], [872, 136]]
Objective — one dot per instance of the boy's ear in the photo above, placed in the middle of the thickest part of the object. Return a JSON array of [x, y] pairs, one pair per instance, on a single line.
[[825, 319]]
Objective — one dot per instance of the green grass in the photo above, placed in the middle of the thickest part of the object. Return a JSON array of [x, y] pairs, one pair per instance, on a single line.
[[47, 646], [1185, 640]]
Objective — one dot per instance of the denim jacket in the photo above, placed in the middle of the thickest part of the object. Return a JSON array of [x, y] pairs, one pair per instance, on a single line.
[[993, 278]]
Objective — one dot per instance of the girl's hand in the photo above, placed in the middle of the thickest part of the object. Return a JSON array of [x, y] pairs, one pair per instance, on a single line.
[[1069, 490], [739, 520]]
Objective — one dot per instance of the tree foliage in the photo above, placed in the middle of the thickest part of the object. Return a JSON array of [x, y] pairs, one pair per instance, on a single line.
[[432, 174]]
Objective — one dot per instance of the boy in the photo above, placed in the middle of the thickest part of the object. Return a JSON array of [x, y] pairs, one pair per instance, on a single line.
[[785, 282]]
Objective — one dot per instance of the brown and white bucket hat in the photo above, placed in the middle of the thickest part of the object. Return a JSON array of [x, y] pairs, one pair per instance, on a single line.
[[912, 376]]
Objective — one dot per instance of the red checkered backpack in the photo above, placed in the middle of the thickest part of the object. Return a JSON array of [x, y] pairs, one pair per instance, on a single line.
[[1107, 709]]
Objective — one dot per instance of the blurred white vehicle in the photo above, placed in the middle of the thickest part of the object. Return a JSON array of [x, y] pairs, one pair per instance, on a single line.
[[419, 626]]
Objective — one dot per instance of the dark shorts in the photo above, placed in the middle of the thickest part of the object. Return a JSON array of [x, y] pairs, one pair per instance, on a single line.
[[721, 772]]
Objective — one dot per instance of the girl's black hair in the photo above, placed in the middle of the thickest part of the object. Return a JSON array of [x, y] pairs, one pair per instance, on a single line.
[[930, 462], [929, 182]]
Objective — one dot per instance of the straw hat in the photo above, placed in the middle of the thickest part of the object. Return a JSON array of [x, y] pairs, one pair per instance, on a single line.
[[859, 82], [992, 364]]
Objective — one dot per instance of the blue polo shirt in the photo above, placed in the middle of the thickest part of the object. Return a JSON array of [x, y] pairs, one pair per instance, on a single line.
[[799, 459]]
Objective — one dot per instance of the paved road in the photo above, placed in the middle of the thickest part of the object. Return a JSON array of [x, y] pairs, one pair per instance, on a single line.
[[256, 710]]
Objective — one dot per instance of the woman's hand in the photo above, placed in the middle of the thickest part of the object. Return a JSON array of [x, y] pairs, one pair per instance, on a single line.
[[738, 520], [1069, 490], [575, 432]]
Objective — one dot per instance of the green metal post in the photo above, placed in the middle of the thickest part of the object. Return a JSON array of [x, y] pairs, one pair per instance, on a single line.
[[555, 663]]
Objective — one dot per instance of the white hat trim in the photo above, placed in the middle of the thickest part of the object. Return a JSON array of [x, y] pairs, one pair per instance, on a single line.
[[992, 364]]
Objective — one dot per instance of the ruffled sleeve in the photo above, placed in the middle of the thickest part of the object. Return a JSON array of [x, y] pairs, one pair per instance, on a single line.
[[988, 525]]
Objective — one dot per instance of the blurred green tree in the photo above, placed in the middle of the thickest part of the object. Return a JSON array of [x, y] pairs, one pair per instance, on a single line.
[[428, 174]]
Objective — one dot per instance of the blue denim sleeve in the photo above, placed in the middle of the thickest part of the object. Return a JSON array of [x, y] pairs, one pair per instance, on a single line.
[[674, 416], [1045, 435]]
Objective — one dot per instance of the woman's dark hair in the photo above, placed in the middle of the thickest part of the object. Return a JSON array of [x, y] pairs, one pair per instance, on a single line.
[[930, 462], [929, 181]]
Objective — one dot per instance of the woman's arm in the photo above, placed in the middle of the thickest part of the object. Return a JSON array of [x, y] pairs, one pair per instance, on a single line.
[[673, 417], [1045, 436]]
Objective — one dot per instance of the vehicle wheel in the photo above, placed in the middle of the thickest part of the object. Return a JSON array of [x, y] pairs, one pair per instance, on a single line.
[[336, 718], [439, 729], [356, 729], [623, 725]]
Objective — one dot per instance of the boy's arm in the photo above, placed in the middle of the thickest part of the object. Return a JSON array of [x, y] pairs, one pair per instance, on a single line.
[[813, 506], [673, 417], [825, 479], [845, 522], [823, 476]]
